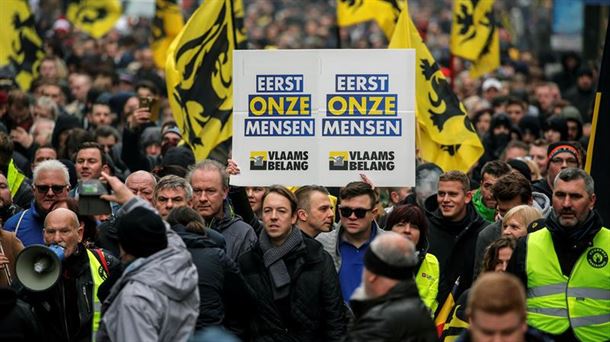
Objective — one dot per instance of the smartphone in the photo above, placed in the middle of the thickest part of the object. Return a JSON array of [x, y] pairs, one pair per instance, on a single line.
[[152, 105], [89, 201]]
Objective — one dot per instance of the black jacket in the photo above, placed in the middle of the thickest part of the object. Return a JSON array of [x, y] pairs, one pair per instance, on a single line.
[[315, 309], [222, 290], [453, 244], [399, 315], [17, 322]]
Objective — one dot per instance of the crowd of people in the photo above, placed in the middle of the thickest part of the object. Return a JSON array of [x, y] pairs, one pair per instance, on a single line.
[[513, 249]]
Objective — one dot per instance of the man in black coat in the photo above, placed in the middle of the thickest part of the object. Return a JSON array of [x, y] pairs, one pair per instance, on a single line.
[[454, 227], [387, 306]]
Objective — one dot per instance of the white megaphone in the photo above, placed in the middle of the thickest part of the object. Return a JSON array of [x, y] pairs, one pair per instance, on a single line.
[[38, 267]]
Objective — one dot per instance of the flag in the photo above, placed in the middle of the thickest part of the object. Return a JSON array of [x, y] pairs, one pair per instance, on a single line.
[[445, 134], [384, 12], [444, 313], [199, 73], [474, 35], [166, 25], [95, 17], [20, 45], [598, 165]]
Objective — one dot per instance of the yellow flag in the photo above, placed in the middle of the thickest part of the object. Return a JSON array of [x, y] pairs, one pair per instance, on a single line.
[[166, 25], [446, 136], [20, 44], [95, 17], [199, 73], [474, 35], [384, 12]]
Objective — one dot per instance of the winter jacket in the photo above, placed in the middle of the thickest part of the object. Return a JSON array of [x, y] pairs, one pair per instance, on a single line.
[[315, 307], [11, 247], [17, 322], [239, 236], [156, 298], [132, 154], [222, 290], [399, 315], [453, 244], [28, 225]]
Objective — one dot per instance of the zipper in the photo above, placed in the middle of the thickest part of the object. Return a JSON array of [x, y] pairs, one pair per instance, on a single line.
[[86, 299], [63, 299]]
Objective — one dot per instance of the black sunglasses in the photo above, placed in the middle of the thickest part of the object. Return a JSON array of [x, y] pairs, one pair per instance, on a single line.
[[359, 212], [43, 189]]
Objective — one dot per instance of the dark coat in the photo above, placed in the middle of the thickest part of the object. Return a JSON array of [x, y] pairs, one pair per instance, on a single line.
[[453, 244], [314, 310], [399, 315], [17, 322]]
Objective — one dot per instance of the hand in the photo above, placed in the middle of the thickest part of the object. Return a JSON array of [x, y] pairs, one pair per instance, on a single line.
[[367, 180], [121, 193], [22, 137], [139, 117], [3, 261], [232, 167]]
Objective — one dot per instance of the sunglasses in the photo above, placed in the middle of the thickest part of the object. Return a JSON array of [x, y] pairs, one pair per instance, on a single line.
[[43, 189], [359, 212]]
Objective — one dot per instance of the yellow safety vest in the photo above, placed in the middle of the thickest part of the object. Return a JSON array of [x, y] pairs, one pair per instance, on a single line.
[[98, 274], [556, 302], [14, 178], [427, 281]]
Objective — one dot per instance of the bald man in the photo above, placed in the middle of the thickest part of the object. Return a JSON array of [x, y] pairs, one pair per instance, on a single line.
[[142, 184]]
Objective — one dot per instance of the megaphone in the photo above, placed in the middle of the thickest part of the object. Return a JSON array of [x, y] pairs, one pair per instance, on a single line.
[[38, 267]]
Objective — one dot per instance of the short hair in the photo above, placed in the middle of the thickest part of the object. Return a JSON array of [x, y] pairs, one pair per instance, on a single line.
[[571, 174], [408, 213], [497, 293], [303, 195], [388, 250], [456, 176], [173, 182], [355, 189], [525, 213], [284, 192], [210, 165], [512, 185], [490, 255], [51, 165], [540, 143], [148, 85], [152, 177], [187, 217], [92, 144], [106, 131], [48, 103], [495, 168], [516, 144]]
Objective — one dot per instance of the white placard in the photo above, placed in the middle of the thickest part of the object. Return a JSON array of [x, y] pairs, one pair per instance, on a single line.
[[324, 117]]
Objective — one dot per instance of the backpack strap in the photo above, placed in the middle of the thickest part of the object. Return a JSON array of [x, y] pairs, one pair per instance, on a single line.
[[102, 259], [19, 222]]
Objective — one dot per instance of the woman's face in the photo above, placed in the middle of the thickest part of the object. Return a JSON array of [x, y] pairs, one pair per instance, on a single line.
[[515, 228], [255, 197], [504, 255], [483, 124], [408, 230]]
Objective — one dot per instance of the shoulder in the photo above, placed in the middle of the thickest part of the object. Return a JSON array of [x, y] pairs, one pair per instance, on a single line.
[[325, 238], [11, 223]]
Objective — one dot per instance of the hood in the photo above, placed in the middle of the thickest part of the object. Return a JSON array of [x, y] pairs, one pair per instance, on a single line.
[[542, 203], [436, 219], [194, 240], [482, 210], [170, 271]]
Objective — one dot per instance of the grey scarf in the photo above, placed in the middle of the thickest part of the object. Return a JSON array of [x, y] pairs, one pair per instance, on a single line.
[[272, 257]]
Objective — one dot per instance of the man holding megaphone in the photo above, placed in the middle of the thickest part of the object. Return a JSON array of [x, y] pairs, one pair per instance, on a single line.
[[63, 289]]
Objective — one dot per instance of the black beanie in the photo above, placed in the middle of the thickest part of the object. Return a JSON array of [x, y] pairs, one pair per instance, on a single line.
[[141, 232]]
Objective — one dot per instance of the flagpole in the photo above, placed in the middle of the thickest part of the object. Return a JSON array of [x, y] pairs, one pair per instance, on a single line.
[[235, 47]]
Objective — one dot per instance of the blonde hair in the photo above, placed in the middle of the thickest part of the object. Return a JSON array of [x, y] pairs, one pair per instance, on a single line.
[[523, 213]]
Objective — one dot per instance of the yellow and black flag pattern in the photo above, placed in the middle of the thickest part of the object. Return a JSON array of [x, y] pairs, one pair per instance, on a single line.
[[95, 17], [384, 12], [446, 136], [166, 25], [199, 74], [474, 35], [20, 44]]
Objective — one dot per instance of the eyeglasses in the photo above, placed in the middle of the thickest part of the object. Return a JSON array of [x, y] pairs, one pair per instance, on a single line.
[[359, 212], [43, 189]]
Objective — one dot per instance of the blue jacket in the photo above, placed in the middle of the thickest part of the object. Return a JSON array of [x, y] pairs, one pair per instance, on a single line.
[[29, 230]]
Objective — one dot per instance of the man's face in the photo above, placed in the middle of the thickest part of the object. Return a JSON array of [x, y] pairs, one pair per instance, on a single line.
[[544, 97], [452, 200], [208, 193], [142, 186], [80, 87], [486, 184], [352, 224], [108, 142], [559, 162], [514, 153], [60, 229], [48, 69], [50, 187], [572, 130], [255, 197], [100, 115], [538, 154], [278, 217], [5, 193], [508, 327], [515, 113], [571, 202], [168, 199], [585, 82], [320, 215], [89, 164], [170, 139], [504, 206], [42, 154], [43, 132], [55, 93]]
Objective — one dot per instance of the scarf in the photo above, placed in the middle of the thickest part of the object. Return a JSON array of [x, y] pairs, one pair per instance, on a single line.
[[274, 263]]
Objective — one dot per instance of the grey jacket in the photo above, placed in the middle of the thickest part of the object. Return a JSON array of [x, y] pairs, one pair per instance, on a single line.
[[330, 242], [156, 298]]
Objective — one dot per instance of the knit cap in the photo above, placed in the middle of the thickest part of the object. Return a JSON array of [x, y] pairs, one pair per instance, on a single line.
[[141, 232]]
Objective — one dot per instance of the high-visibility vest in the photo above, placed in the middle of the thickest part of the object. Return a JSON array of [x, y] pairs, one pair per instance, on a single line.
[[427, 281], [98, 274], [582, 300], [14, 178]]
